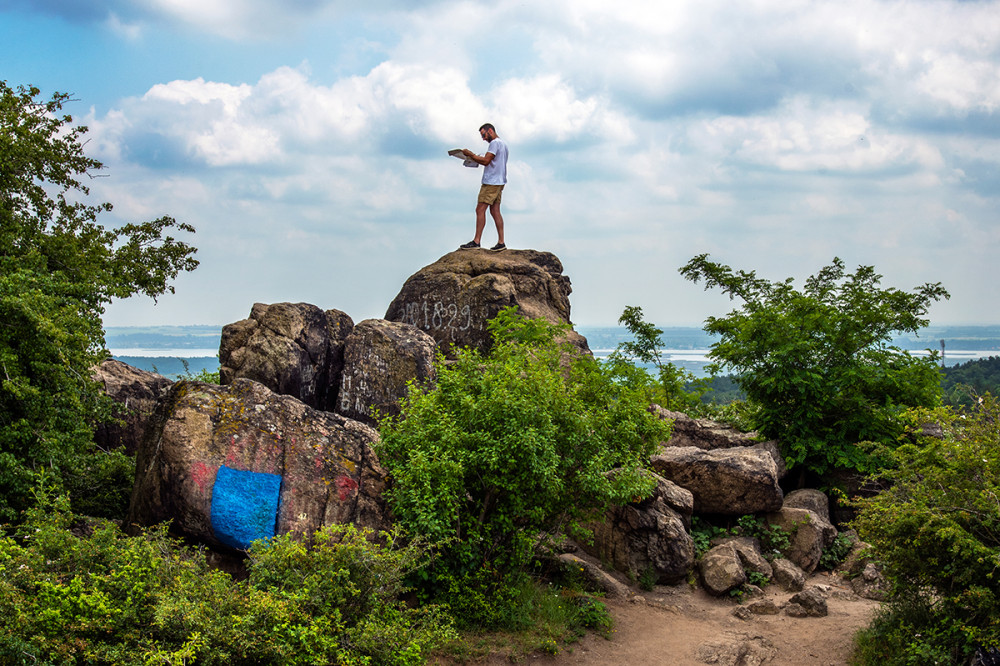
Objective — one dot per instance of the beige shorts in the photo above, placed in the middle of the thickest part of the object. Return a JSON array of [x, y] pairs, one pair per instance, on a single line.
[[490, 194]]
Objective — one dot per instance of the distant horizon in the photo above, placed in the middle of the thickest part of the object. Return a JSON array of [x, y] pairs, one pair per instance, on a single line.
[[932, 324]]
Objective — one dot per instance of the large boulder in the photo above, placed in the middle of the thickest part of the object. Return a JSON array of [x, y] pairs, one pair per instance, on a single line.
[[703, 433], [811, 499], [810, 534], [648, 537], [380, 358], [731, 482], [453, 298], [135, 393], [294, 349], [749, 551], [721, 569], [231, 464], [710, 435]]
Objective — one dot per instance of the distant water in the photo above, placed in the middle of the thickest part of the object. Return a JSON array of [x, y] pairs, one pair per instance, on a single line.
[[685, 346], [166, 352]]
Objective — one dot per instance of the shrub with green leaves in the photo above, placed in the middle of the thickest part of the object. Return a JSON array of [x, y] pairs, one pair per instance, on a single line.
[[677, 389], [936, 530], [818, 362], [504, 447], [112, 599]]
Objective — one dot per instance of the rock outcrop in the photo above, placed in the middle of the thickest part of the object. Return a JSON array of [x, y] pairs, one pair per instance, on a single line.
[[380, 357], [136, 393], [294, 349], [453, 298], [648, 537], [732, 482], [231, 464]]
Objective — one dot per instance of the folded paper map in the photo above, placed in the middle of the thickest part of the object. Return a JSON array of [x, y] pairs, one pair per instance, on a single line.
[[457, 152]]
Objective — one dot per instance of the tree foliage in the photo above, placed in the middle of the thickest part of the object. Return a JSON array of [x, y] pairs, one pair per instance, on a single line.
[[936, 530], [507, 446], [678, 389], [59, 268], [818, 362]]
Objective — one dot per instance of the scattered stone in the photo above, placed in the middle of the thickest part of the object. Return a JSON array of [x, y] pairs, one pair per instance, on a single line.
[[795, 610], [380, 358], [787, 575], [732, 482], [811, 600], [453, 298], [703, 433], [871, 583], [135, 393], [764, 607], [232, 464], [742, 613], [721, 570], [294, 349], [740, 650], [648, 538]]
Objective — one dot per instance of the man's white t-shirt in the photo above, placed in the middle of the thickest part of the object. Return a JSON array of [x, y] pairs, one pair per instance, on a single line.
[[495, 173]]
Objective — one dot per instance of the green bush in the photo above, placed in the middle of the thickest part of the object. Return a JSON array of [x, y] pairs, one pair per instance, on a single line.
[[112, 599], [817, 362], [506, 447], [677, 389], [936, 530]]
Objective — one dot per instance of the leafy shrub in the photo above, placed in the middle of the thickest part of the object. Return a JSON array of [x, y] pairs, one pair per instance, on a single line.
[[836, 552], [773, 538], [936, 531], [112, 599], [100, 484], [817, 363], [678, 389], [505, 447]]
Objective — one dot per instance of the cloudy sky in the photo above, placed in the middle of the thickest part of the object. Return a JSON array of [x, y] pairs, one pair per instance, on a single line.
[[306, 141]]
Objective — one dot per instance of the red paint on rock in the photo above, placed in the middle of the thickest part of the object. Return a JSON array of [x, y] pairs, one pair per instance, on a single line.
[[345, 487], [203, 475]]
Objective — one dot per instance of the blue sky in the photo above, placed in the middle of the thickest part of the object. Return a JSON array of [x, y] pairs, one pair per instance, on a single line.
[[306, 141]]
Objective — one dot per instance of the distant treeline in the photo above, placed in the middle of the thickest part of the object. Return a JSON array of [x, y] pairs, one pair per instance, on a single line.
[[960, 383], [980, 375]]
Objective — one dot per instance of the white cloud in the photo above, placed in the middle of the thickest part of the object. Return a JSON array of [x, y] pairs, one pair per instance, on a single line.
[[773, 135]]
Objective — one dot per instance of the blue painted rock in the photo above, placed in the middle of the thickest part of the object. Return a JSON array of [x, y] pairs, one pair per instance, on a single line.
[[232, 464], [294, 349]]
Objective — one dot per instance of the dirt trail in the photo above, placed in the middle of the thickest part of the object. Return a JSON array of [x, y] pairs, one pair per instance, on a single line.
[[681, 626]]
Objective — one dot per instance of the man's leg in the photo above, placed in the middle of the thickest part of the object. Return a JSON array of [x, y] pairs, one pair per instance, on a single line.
[[480, 221], [497, 219]]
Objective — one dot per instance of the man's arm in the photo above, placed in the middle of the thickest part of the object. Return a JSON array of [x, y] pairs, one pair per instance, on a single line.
[[476, 158]]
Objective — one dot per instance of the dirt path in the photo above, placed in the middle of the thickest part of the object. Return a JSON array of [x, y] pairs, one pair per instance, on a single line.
[[681, 626]]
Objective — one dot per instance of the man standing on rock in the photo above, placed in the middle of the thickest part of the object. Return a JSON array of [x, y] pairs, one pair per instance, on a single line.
[[494, 178]]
